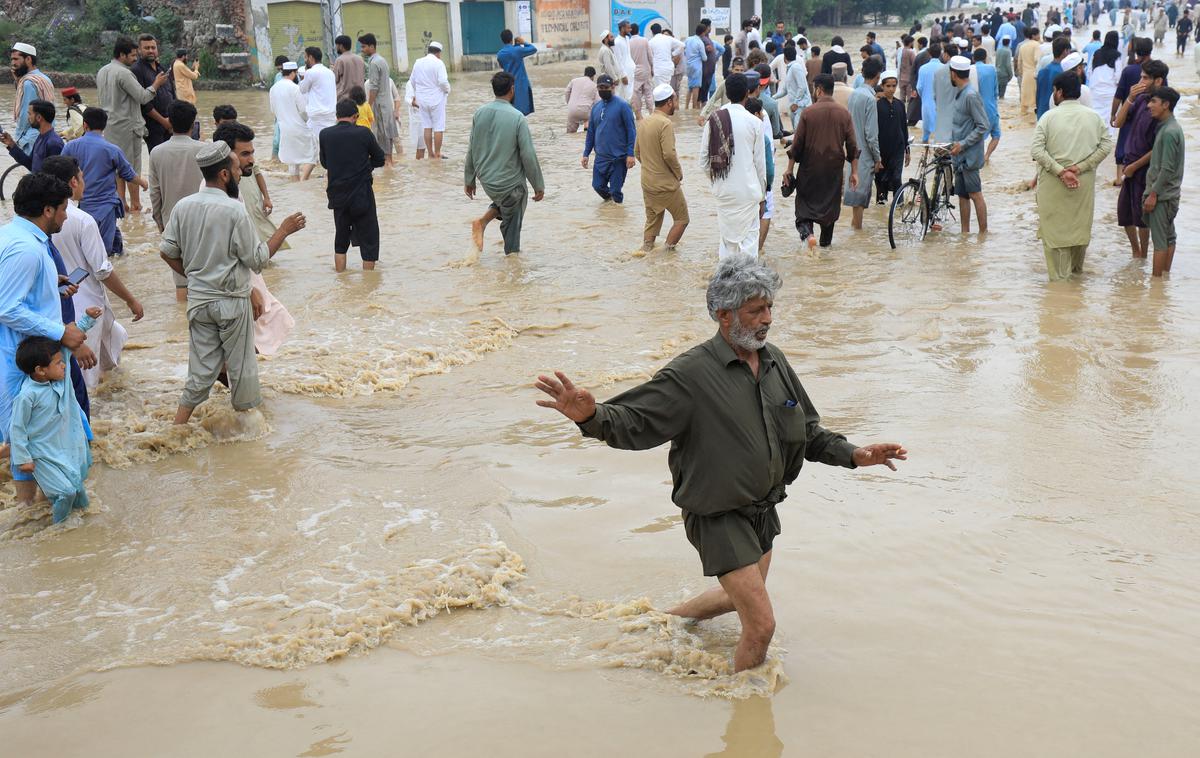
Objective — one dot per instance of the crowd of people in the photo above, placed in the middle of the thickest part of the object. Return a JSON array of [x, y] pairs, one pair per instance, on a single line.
[[843, 122]]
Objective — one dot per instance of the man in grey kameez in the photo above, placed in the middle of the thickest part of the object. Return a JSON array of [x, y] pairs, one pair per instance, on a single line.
[[122, 97], [210, 240], [379, 95], [865, 114]]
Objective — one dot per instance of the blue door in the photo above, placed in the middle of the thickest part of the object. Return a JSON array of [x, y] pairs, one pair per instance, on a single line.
[[482, 23]]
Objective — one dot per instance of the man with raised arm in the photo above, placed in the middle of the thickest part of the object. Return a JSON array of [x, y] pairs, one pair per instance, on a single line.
[[740, 426]]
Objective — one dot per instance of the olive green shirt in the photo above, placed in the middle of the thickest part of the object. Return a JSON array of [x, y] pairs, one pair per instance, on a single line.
[[735, 440], [1165, 175]]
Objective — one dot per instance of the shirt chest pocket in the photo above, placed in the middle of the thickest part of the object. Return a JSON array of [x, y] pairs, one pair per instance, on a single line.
[[789, 424]]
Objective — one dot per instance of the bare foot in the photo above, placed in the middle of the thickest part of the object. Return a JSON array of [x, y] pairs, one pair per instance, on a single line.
[[477, 234], [812, 242], [135, 208]]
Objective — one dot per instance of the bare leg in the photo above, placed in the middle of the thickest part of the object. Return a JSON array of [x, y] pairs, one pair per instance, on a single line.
[[181, 294], [764, 225], [991, 148], [183, 414], [715, 601], [368, 265], [135, 196], [479, 224], [1139, 239], [1143, 241], [980, 211], [429, 143], [964, 213], [748, 591], [1170, 259], [856, 215], [675, 234], [306, 171], [25, 492], [437, 144], [339, 262]]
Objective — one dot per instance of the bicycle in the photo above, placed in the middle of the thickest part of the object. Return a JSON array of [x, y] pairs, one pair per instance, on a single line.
[[4, 178], [916, 209]]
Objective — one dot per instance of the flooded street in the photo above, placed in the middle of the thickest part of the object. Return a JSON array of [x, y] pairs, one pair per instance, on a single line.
[[409, 557]]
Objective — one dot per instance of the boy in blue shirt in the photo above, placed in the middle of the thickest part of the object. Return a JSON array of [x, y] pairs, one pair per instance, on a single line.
[[49, 434]]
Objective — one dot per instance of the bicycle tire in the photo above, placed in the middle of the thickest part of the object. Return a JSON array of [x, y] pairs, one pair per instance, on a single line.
[[910, 203], [4, 178]]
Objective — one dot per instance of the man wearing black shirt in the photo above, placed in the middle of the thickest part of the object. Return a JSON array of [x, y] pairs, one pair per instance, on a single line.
[[146, 68], [349, 153]]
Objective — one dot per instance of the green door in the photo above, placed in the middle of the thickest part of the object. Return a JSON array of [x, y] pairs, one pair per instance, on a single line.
[[293, 27], [427, 22], [482, 23], [364, 16]]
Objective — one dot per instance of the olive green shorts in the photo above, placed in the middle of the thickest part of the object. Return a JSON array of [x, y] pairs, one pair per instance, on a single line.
[[1161, 221], [728, 541]]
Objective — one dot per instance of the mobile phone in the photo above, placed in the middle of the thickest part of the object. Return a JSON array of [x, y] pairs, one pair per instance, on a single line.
[[75, 277]]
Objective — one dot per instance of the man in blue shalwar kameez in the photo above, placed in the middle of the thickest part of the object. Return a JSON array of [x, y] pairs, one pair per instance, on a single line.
[[30, 303], [512, 59], [102, 164], [612, 134]]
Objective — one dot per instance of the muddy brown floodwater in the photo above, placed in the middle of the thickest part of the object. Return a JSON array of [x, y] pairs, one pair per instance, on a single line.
[[406, 551]]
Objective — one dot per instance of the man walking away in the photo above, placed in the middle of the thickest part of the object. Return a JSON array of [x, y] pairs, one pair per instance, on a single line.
[[611, 133], [733, 156], [431, 87], [821, 147], [297, 148], [105, 173], [1070, 141], [512, 59], [210, 241], [320, 91], [349, 71], [501, 157], [122, 98], [643, 77], [174, 173], [1165, 178], [864, 113], [349, 153], [661, 173]]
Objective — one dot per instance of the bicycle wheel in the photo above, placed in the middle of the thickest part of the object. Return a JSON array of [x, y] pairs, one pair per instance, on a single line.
[[906, 219], [4, 178]]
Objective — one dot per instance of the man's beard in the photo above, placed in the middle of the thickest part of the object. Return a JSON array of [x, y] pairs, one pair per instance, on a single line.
[[745, 338], [231, 187], [21, 70]]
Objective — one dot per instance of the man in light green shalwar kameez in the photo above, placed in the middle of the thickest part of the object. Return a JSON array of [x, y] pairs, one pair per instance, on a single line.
[[379, 95], [502, 158], [1068, 143]]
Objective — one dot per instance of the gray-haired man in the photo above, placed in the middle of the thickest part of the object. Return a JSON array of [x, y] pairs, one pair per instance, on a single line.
[[740, 427]]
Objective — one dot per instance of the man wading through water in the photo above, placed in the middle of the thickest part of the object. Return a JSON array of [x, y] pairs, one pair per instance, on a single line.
[[740, 427]]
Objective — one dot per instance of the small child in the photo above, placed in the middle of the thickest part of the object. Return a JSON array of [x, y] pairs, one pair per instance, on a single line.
[[366, 115], [49, 433]]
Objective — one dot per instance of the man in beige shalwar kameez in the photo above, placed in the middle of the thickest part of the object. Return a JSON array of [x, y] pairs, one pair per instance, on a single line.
[[1069, 143]]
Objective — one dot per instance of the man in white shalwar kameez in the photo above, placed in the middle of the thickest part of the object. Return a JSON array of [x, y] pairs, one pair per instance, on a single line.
[[81, 246], [320, 91], [666, 50], [431, 87], [743, 187], [624, 61], [297, 148]]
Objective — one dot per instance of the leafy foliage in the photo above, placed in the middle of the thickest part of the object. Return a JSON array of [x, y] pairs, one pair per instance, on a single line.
[[79, 44]]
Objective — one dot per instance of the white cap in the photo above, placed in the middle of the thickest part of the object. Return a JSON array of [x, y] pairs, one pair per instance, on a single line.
[[1071, 61], [1050, 30], [958, 42], [290, 66], [25, 47], [889, 74], [435, 45], [604, 35], [960, 63], [663, 92]]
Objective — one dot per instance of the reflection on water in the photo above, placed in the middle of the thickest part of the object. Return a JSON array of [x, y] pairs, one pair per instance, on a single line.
[[751, 731]]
